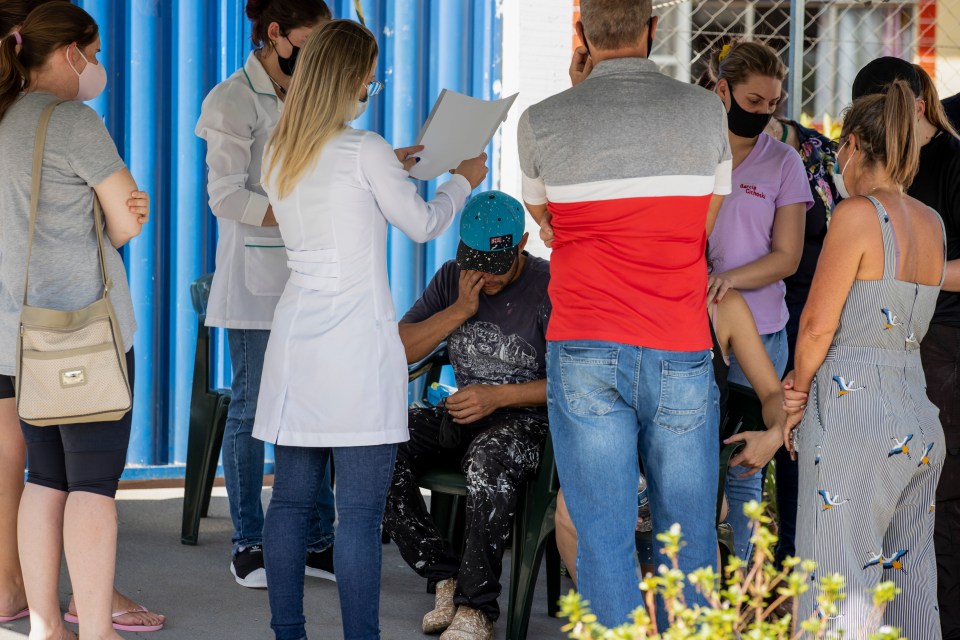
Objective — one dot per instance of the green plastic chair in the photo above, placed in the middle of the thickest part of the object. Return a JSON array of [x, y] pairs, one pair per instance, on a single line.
[[533, 525], [208, 418]]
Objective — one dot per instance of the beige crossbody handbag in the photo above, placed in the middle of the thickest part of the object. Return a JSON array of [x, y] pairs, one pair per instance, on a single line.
[[71, 365]]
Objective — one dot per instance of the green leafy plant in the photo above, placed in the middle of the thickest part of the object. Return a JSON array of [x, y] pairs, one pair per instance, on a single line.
[[742, 603]]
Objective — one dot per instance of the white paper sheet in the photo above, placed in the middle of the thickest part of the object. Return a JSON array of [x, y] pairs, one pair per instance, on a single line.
[[459, 128]]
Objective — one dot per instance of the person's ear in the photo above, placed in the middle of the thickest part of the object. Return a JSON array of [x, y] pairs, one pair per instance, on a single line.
[[853, 142], [578, 27], [723, 89], [523, 242], [273, 32], [921, 108], [654, 21]]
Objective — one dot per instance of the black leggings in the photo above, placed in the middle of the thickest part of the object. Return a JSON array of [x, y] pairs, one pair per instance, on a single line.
[[79, 457]]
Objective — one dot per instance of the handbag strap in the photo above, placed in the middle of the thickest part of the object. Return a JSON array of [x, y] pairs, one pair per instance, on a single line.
[[42, 127]]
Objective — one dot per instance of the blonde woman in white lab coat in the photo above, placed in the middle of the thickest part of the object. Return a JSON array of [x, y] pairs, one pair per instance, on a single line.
[[237, 118], [335, 374]]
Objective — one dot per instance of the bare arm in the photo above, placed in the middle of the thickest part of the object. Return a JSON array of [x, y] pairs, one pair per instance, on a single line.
[[843, 250], [542, 217], [715, 203], [785, 252], [952, 280], [114, 195], [537, 211], [752, 357], [736, 320], [420, 338]]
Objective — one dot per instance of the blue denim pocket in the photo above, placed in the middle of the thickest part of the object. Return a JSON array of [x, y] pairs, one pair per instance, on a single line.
[[589, 379], [684, 393]]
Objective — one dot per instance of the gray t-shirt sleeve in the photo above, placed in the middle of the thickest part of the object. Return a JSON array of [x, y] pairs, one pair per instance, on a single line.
[[533, 187], [89, 149], [723, 185]]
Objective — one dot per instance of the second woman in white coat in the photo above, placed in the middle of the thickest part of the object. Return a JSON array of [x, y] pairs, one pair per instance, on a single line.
[[335, 374], [236, 121]]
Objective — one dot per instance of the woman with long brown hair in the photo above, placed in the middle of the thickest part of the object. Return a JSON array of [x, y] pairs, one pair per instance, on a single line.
[[68, 503], [335, 372], [870, 447]]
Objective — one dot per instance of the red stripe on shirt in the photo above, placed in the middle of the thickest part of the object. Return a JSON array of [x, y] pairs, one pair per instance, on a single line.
[[631, 271]]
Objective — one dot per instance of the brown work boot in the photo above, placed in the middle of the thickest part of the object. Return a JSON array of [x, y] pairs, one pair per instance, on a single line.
[[444, 610], [469, 624]]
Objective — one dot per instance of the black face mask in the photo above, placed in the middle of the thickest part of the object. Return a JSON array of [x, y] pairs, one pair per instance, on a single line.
[[287, 64], [743, 123]]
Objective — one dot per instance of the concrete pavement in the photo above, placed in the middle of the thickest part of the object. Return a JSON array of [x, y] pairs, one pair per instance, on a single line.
[[194, 588]]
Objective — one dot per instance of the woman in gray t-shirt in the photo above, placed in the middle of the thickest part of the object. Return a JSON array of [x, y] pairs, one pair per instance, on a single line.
[[74, 470]]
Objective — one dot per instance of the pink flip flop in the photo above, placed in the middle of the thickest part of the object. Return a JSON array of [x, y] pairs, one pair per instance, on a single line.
[[16, 616], [131, 628]]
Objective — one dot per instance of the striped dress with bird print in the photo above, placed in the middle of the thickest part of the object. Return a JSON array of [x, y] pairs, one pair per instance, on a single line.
[[870, 450]]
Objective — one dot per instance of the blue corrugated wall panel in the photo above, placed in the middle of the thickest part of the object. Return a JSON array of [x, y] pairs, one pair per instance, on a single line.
[[163, 57]]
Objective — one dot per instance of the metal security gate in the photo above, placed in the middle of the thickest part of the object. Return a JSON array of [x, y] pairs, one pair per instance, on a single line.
[[824, 42]]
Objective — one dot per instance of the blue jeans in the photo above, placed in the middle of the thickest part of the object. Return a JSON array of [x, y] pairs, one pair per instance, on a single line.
[[607, 401], [243, 454], [363, 478], [739, 490]]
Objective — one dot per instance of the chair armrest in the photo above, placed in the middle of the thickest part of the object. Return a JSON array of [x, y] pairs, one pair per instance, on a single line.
[[199, 294], [436, 360]]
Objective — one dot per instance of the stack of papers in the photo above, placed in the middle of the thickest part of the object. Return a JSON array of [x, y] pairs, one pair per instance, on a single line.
[[459, 128]]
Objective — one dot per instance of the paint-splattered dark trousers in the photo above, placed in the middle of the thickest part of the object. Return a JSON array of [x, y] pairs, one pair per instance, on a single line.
[[497, 455]]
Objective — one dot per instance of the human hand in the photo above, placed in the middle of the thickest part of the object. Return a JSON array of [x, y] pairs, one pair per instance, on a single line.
[[546, 229], [474, 170], [139, 205], [580, 66], [473, 402], [759, 449], [717, 287], [404, 156], [795, 405], [471, 282]]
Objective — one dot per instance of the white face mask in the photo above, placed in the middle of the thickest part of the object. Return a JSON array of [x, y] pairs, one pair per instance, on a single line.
[[838, 174], [93, 79]]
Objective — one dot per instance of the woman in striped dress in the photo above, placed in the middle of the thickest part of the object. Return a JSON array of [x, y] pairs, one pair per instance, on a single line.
[[870, 444]]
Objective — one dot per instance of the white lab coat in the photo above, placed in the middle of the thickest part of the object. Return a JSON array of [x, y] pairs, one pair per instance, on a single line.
[[236, 120], [335, 373]]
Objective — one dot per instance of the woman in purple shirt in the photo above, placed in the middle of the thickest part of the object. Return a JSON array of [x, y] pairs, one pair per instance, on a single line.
[[758, 237]]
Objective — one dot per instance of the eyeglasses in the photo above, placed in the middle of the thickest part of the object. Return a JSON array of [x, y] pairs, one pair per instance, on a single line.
[[374, 88]]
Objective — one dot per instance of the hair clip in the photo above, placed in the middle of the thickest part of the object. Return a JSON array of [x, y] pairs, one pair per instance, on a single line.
[[17, 37], [724, 52]]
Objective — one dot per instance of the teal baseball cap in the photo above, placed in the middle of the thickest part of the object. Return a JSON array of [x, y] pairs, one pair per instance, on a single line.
[[491, 227]]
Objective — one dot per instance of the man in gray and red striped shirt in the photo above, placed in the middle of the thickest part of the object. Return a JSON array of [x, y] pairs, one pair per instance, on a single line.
[[625, 173]]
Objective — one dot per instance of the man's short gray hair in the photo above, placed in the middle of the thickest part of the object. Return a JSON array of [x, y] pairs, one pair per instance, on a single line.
[[615, 24]]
